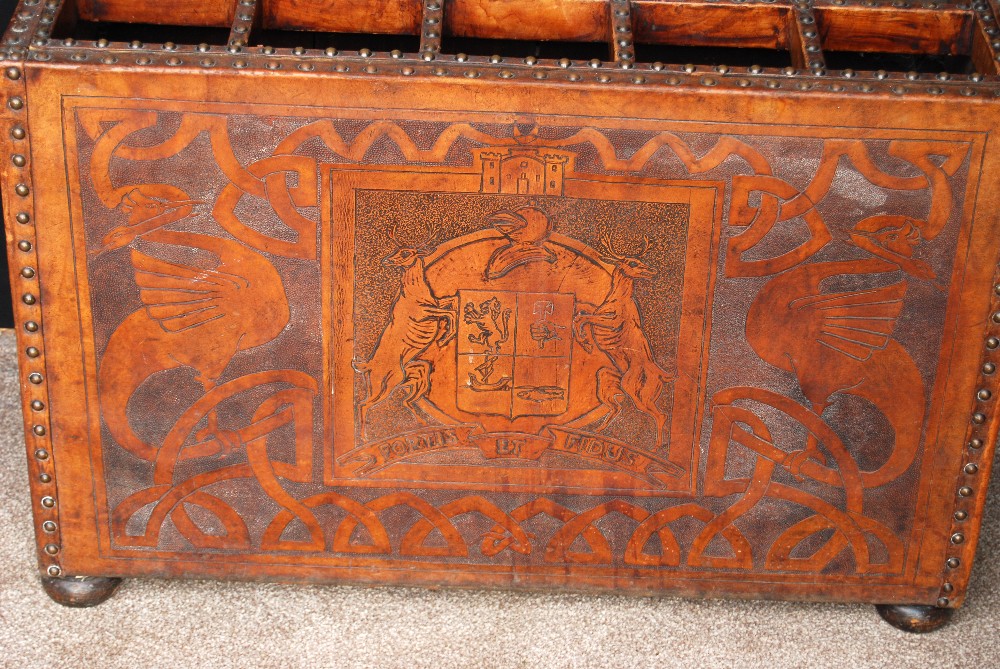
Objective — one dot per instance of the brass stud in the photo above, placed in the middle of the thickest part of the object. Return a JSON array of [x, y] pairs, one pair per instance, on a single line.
[[976, 443], [530, 60], [169, 46], [954, 562], [978, 418], [961, 515], [13, 73], [24, 218], [18, 132], [22, 190], [53, 570], [135, 44], [32, 352], [39, 430], [965, 491], [690, 68], [51, 549], [396, 53], [49, 526], [37, 405], [565, 62], [989, 368], [48, 502], [24, 245], [461, 57], [103, 42], [971, 468], [755, 69], [18, 160], [992, 343], [41, 454], [942, 602], [330, 51], [996, 317], [957, 538], [596, 63], [574, 76], [365, 53], [35, 378], [298, 51], [984, 394], [143, 60], [45, 477], [31, 326], [268, 51], [472, 74], [28, 299]]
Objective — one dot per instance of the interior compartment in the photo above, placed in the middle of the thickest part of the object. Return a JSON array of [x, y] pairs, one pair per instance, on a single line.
[[205, 13], [853, 36]]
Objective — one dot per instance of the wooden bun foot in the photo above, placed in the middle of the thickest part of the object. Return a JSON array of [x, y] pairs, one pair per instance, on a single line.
[[914, 617], [80, 591]]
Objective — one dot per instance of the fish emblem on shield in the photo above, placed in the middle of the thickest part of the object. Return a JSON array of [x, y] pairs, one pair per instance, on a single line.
[[514, 352]]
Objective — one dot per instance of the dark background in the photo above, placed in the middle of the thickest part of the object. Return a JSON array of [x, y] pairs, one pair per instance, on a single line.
[[6, 312]]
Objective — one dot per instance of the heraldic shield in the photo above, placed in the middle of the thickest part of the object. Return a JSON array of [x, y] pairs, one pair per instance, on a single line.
[[514, 352]]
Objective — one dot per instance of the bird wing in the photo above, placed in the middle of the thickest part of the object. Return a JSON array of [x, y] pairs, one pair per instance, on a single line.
[[180, 297], [854, 323]]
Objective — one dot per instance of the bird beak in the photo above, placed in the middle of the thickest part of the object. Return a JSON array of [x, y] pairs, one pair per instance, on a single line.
[[507, 221]]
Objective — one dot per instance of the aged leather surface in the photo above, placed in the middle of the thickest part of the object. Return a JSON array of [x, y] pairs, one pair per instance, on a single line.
[[514, 345], [464, 322]]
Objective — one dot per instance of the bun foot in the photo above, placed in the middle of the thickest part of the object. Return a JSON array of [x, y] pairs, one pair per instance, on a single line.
[[914, 617], [80, 591]]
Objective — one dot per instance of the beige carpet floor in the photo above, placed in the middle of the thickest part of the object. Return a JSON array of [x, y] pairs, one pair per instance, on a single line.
[[204, 625]]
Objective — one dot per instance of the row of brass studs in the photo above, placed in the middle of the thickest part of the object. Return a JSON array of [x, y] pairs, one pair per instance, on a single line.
[[846, 81], [806, 26], [975, 443], [431, 27], [987, 19], [29, 315], [239, 34], [622, 40]]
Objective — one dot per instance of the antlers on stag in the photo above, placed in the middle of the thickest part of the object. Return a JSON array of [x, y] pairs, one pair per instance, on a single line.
[[406, 254], [629, 263]]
